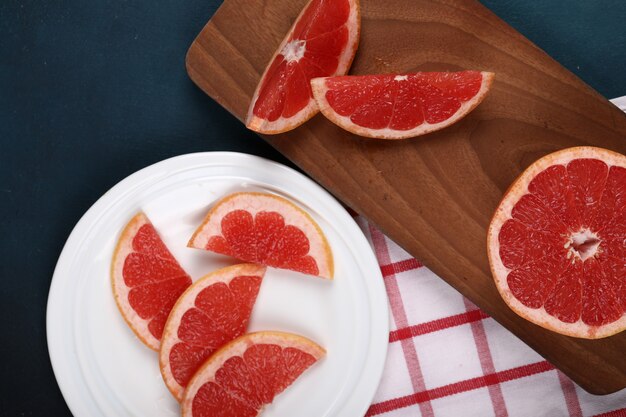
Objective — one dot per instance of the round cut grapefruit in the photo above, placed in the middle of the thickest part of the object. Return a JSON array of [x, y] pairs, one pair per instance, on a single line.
[[557, 243], [400, 106], [212, 312], [268, 230], [146, 280], [246, 374], [322, 42]]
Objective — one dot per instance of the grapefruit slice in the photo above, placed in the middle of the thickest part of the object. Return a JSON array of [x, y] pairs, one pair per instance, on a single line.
[[268, 230], [246, 374], [211, 313], [557, 243], [321, 42], [400, 106], [146, 280]]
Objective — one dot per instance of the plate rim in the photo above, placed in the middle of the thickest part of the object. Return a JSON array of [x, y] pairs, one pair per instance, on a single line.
[[379, 318]]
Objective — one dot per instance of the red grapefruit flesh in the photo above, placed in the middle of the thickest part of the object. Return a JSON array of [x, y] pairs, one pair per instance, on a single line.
[[245, 375], [322, 42], [212, 312], [268, 230], [557, 243], [400, 106], [146, 280]]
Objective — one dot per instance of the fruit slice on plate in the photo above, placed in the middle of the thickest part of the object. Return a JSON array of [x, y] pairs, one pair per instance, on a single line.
[[321, 42], [268, 230], [399, 106], [146, 280], [246, 374], [211, 313], [557, 243]]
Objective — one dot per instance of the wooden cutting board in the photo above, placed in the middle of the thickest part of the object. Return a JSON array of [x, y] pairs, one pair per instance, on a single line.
[[433, 195]]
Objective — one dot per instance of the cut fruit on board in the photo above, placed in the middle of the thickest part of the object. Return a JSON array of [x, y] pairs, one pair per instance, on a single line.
[[146, 280], [322, 42], [246, 374], [400, 106], [268, 230], [557, 243], [212, 312]]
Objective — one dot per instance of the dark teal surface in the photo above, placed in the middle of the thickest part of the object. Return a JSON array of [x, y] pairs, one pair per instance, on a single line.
[[93, 90]]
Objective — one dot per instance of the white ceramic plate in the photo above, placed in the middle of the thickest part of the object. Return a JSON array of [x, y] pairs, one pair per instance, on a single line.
[[103, 370]]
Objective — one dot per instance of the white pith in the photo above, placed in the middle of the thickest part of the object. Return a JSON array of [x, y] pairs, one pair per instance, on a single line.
[[500, 272], [184, 303], [294, 51], [255, 203], [237, 348], [318, 85], [579, 239], [283, 124]]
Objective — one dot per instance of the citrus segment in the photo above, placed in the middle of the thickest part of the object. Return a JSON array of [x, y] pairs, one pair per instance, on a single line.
[[265, 229], [146, 280], [395, 106], [321, 42], [247, 374], [212, 312], [557, 243]]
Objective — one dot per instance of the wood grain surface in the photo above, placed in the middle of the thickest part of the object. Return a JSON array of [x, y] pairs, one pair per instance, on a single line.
[[433, 195]]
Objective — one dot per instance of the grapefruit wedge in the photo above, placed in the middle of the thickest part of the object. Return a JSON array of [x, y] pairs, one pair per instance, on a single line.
[[268, 230], [146, 280], [400, 106], [246, 374], [322, 42], [557, 243], [211, 313]]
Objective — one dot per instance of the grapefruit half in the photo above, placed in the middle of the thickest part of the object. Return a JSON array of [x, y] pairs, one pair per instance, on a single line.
[[400, 106], [557, 243], [209, 314], [322, 42], [268, 230], [246, 374], [146, 280]]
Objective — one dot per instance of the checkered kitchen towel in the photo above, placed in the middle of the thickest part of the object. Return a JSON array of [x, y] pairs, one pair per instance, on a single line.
[[448, 358]]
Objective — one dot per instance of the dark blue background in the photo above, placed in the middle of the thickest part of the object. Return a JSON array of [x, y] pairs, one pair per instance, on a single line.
[[93, 90]]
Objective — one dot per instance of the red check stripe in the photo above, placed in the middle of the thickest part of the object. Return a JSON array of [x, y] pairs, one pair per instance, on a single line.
[[571, 398], [401, 266], [486, 363], [436, 325], [458, 387], [399, 316], [615, 413]]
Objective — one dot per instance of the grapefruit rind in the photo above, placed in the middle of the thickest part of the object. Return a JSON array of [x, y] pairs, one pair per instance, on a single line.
[[284, 124], [318, 85], [237, 348], [500, 272], [255, 202], [184, 303]]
